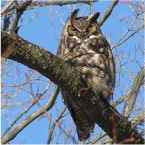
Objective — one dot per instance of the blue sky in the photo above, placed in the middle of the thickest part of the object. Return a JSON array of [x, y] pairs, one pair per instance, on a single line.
[[40, 32]]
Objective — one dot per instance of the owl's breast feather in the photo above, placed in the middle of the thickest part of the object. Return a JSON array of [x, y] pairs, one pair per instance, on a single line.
[[72, 41]]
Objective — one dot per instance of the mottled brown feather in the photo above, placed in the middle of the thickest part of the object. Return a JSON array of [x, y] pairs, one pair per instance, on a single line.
[[87, 49]]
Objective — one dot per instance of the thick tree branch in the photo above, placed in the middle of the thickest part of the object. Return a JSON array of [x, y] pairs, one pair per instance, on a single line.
[[132, 95], [134, 121], [67, 77], [40, 60], [59, 3], [108, 12]]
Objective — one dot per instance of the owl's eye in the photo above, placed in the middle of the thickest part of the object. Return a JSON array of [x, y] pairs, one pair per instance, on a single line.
[[72, 30], [92, 28]]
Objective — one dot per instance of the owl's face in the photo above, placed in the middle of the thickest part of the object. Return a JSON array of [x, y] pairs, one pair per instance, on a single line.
[[82, 27]]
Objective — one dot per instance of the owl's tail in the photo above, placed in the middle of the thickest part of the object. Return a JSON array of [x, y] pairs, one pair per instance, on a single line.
[[84, 125]]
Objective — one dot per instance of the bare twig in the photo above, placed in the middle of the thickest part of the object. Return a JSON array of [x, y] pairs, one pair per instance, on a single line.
[[61, 128], [133, 93], [6, 23], [108, 12], [118, 44], [52, 2], [20, 11], [16, 3], [54, 125], [31, 118], [144, 11], [91, 8], [7, 6], [130, 93], [98, 138], [26, 110], [138, 119], [129, 28]]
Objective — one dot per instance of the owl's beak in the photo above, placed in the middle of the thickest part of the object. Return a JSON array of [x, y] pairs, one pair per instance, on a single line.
[[82, 34], [93, 17]]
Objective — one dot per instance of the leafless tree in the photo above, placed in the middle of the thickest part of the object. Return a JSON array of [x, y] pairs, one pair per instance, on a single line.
[[122, 126]]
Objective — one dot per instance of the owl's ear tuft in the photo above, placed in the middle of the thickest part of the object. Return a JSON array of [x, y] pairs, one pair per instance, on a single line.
[[74, 13], [94, 17]]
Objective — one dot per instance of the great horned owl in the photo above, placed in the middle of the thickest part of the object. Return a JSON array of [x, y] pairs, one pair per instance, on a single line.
[[84, 47]]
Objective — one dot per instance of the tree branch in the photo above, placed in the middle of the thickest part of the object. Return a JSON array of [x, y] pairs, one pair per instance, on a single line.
[[19, 12], [128, 30], [52, 67], [26, 110], [137, 30], [67, 77], [59, 3], [108, 12], [31, 118], [51, 130], [52, 2], [7, 6], [139, 80], [134, 121]]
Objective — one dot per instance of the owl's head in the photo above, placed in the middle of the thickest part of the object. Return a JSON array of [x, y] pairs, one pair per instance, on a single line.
[[83, 27]]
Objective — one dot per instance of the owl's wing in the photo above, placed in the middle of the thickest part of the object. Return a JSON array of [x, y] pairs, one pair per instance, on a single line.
[[83, 123]]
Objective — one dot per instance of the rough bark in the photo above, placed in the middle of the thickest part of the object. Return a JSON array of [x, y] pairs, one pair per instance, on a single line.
[[64, 75]]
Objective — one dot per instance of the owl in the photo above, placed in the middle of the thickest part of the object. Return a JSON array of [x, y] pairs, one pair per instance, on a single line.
[[85, 48]]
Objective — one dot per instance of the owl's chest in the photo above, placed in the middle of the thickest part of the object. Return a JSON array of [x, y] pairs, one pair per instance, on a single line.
[[78, 49], [71, 42]]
